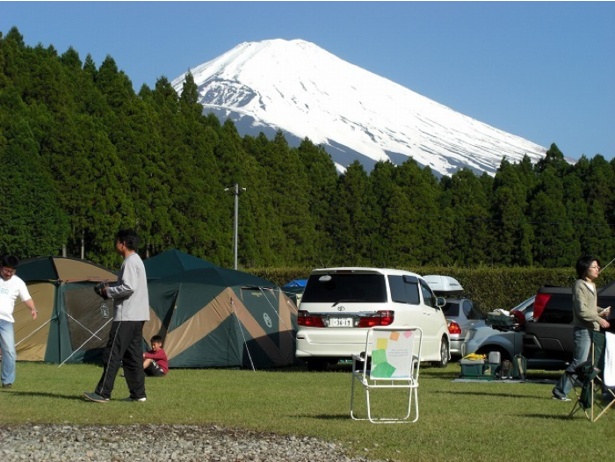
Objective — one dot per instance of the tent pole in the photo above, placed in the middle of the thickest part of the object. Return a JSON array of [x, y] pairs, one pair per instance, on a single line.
[[245, 342]]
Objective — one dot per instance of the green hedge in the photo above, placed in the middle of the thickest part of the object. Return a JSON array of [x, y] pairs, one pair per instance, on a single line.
[[489, 288]]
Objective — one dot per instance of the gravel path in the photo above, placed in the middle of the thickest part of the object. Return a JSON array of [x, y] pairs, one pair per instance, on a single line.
[[160, 443]]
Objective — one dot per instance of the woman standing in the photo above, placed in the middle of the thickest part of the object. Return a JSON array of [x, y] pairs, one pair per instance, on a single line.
[[588, 317]]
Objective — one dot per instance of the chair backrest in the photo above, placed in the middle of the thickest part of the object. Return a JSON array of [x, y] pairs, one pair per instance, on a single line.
[[395, 352]]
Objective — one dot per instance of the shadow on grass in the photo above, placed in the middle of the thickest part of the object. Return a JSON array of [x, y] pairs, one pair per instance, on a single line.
[[549, 416], [564, 417], [483, 394], [41, 394], [324, 416]]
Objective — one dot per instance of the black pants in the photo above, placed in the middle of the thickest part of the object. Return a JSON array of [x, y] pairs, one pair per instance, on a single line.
[[124, 348]]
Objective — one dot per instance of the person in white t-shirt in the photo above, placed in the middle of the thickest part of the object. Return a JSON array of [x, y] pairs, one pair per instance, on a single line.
[[11, 287]]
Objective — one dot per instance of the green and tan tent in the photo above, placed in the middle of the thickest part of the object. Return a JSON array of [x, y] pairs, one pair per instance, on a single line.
[[215, 317], [208, 316], [73, 322]]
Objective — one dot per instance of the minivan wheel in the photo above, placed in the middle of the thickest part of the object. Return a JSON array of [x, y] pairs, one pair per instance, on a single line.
[[444, 353], [316, 364]]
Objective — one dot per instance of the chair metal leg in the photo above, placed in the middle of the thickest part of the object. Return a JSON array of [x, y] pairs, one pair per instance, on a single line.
[[412, 410], [590, 413], [605, 407]]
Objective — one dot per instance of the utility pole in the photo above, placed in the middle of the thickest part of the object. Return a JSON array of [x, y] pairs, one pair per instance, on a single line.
[[235, 191]]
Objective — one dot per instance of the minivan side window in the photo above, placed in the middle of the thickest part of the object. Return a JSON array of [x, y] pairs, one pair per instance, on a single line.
[[428, 296], [403, 291]]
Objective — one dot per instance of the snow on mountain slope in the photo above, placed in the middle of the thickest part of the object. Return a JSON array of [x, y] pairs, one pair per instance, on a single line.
[[306, 91]]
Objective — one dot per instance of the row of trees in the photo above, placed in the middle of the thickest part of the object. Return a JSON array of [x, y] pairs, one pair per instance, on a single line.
[[83, 155]]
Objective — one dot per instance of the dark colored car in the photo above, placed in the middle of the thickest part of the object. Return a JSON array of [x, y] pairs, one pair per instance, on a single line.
[[548, 341]]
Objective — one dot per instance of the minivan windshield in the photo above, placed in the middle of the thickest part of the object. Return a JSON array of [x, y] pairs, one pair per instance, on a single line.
[[345, 287]]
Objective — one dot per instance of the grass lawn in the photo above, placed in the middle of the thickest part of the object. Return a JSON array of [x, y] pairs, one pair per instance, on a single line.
[[458, 421]]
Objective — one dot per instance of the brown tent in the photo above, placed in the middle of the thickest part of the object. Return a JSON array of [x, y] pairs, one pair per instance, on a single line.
[[73, 322]]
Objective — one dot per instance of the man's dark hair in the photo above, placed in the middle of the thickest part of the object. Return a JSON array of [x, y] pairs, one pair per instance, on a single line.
[[156, 338], [10, 261], [128, 237], [583, 265]]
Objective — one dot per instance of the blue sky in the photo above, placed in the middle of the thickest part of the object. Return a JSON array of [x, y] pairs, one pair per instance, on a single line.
[[544, 71]]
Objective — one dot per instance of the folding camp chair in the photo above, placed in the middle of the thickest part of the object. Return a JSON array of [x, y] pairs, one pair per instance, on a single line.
[[391, 360], [589, 384]]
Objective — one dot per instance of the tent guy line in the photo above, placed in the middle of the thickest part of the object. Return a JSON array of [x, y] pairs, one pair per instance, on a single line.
[[84, 343]]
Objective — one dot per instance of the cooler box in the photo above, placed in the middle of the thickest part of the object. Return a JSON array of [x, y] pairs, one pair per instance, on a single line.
[[472, 368]]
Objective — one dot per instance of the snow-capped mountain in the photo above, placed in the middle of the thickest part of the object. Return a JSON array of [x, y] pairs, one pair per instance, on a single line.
[[306, 91]]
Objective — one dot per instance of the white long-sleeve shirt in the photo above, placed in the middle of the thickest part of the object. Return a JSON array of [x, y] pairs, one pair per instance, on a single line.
[[129, 293]]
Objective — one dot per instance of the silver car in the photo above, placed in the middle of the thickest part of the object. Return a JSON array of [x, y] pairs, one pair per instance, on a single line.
[[461, 316], [483, 339]]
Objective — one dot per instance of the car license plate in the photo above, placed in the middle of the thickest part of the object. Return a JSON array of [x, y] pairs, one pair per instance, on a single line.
[[340, 322]]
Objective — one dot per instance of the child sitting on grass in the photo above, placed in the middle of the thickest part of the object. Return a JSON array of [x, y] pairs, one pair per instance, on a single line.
[[155, 362]]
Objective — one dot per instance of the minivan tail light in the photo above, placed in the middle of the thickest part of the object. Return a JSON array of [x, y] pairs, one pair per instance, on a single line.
[[540, 302], [380, 318], [305, 319], [453, 328]]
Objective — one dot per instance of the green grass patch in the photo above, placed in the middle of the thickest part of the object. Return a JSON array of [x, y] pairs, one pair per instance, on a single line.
[[458, 421]]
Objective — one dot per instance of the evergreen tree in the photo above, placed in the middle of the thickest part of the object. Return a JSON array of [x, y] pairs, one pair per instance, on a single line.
[[206, 190], [599, 182], [261, 236], [589, 200], [349, 212], [511, 231], [577, 211], [554, 243], [421, 232], [467, 205], [321, 182], [31, 222], [385, 197], [289, 183], [554, 158]]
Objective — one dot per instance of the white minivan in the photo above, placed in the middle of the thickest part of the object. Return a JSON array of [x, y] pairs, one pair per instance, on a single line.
[[340, 304]]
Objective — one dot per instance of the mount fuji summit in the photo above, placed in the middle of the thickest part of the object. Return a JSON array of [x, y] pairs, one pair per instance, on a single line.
[[304, 91]]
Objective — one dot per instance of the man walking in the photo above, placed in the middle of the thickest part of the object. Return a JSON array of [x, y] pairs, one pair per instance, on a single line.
[[131, 310], [11, 287]]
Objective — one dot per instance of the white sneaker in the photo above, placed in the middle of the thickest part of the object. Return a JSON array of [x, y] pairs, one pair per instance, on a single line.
[[140, 400]]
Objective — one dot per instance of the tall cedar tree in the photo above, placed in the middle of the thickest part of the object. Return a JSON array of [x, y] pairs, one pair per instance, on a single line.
[[466, 207], [512, 232], [351, 236], [31, 221]]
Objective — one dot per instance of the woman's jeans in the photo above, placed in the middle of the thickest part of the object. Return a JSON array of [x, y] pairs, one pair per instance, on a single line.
[[582, 348], [9, 355]]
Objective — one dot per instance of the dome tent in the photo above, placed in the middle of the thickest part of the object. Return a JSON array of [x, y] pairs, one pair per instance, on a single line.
[[73, 322], [210, 316]]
